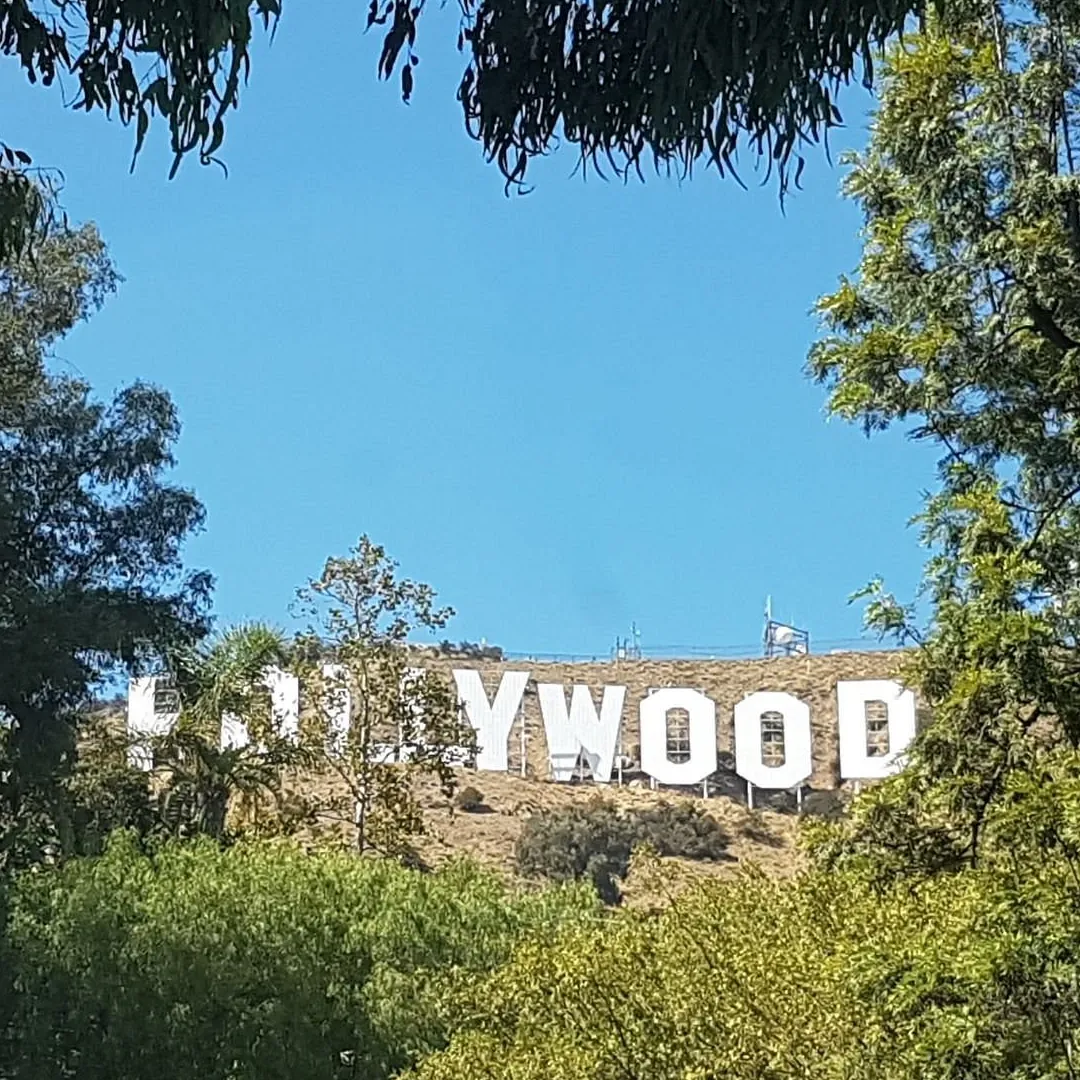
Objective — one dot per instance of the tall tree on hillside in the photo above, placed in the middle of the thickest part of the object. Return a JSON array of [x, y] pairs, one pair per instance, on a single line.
[[380, 722], [963, 325], [91, 578]]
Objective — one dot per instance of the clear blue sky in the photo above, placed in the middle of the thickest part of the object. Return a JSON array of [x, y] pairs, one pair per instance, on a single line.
[[565, 411]]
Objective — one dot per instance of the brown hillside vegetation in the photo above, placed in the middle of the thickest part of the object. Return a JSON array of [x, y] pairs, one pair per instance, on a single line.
[[761, 837]]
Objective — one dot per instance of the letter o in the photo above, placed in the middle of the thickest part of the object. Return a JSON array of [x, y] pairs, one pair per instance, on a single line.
[[798, 758], [653, 719]]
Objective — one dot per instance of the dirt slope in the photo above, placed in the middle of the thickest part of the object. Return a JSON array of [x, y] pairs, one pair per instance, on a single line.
[[761, 837]]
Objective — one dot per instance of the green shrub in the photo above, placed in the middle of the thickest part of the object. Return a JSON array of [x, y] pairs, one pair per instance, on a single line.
[[196, 963], [578, 843], [468, 799], [106, 793], [817, 978], [684, 830], [594, 842]]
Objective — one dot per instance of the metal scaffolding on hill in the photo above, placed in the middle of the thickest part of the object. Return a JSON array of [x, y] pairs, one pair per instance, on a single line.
[[782, 639]]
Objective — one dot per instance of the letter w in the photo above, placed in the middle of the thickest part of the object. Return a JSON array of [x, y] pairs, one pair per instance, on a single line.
[[570, 732]]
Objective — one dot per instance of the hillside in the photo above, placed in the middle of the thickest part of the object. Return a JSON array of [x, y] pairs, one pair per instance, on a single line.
[[761, 837]]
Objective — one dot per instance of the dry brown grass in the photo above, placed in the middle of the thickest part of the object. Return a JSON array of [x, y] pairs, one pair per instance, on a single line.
[[761, 837]]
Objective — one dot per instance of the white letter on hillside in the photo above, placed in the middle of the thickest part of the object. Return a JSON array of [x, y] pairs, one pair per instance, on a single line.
[[492, 722], [144, 722], [798, 758], [234, 732], [284, 711], [856, 761], [568, 733], [284, 702], [654, 754]]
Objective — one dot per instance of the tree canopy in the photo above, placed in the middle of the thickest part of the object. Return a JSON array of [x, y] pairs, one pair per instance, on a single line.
[[970, 976], [378, 723], [963, 326], [664, 82], [91, 531], [258, 961], [667, 82], [933, 931]]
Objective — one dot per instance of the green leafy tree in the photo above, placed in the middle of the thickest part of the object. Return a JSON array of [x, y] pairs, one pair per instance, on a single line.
[[202, 963], [642, 80], [41, 299], [971, 975], [91, 577], [203, 780], [963, 326], [105, 790], [401, 723]]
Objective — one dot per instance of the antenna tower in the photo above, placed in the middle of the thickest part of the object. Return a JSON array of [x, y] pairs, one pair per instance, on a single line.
[[628, 648], [783, 639]]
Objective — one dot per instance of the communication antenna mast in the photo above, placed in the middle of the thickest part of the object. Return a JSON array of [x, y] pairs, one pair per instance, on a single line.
[[628, 648], [783, 639]]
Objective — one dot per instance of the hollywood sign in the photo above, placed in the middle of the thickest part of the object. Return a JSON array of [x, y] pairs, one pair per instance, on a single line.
[[576, 730]]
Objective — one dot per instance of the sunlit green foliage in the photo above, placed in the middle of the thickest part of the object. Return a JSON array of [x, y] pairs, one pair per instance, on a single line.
[[257, 961], [403, 723], [972, 975], [962, 324]]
